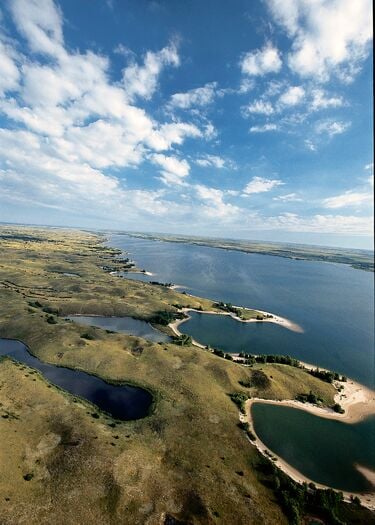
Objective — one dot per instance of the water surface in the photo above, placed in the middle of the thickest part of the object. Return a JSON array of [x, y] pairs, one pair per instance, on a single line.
[[126, 325], [334, 303], [120, 401], [324, 450]]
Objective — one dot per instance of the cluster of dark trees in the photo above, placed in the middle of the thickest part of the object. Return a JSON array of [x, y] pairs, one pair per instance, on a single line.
[[309, 398], [327, 376], [243, 425], [166, 285], [228, 307], [263, 358], [298, 500], [182, 340], [220, 353], [164, 317], [239, 399]]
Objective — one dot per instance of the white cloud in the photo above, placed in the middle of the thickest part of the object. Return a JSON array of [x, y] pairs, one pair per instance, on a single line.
[[264, 128], [261, 61], [77, 128], [349, 198], [40, 22], [260, 185], [310, 145], [328, 37], [349, 224], [260, 107], [211, 161], [215, 207], [202, 96], [142, 81], [370, 167], [332, 127], [247, 84], [289, 197], [174, 170], [9, 74], [292, 96], [321, 101]]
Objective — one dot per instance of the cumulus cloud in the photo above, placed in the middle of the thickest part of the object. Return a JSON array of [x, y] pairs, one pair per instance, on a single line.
[[332, 127], [292, 96], [215, 206], [260, 185], [40, 22], [321, 101], [202, 96], [264, 128], [174, 170], [9, 74], [327, 37], [289, 197], [72, 128], [261, 61], [142, 81], [213, 161], [261, 107], [348, 198]]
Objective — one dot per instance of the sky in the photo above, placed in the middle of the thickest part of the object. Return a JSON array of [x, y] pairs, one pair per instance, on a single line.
[[244, 119]]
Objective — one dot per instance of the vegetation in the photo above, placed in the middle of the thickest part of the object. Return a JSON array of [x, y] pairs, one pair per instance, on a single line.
[[300, 500], [309, 398], [239, 399], [182, 340], [189, 449]]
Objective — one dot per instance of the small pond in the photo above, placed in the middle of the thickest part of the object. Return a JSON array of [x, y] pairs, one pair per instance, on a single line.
[[121, 401], [125, 325]]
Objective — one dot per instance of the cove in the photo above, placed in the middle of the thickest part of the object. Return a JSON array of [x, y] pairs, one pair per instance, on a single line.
[[324, 450], [121, 401], [125, 325], [232, 336]]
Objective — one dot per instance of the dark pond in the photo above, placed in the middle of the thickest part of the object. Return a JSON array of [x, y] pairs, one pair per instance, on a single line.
[[126, 325], [120, 401]]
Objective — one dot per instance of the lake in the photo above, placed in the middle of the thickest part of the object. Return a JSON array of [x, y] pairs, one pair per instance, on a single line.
[[121, 401], [324, 450], [333, 303]]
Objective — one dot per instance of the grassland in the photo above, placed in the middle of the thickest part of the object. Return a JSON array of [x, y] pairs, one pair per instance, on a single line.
[[359, 259], [187, 462]]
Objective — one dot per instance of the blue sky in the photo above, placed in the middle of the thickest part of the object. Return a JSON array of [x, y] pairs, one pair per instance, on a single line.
[[245, 119]]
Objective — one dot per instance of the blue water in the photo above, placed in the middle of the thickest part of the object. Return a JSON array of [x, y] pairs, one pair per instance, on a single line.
[[125, 325], [120, 401], [326, 451], [333, 303]]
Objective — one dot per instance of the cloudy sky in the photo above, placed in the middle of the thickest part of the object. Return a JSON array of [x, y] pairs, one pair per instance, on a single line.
[[245, 119]]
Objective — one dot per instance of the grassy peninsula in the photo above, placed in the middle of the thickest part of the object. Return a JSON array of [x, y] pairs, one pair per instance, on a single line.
[[359, 259], [188, 462]]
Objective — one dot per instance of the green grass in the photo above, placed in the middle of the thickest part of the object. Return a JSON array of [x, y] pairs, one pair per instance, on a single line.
[[181, 461]]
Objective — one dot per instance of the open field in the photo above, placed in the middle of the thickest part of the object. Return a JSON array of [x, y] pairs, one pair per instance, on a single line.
[[187, 462], [360, 259]]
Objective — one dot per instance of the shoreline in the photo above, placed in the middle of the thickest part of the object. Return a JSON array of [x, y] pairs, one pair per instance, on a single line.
[[357, 400], [367, 498], [276, 319]]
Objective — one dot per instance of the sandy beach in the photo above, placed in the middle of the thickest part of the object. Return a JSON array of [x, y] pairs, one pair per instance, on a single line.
[[358, 402]]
